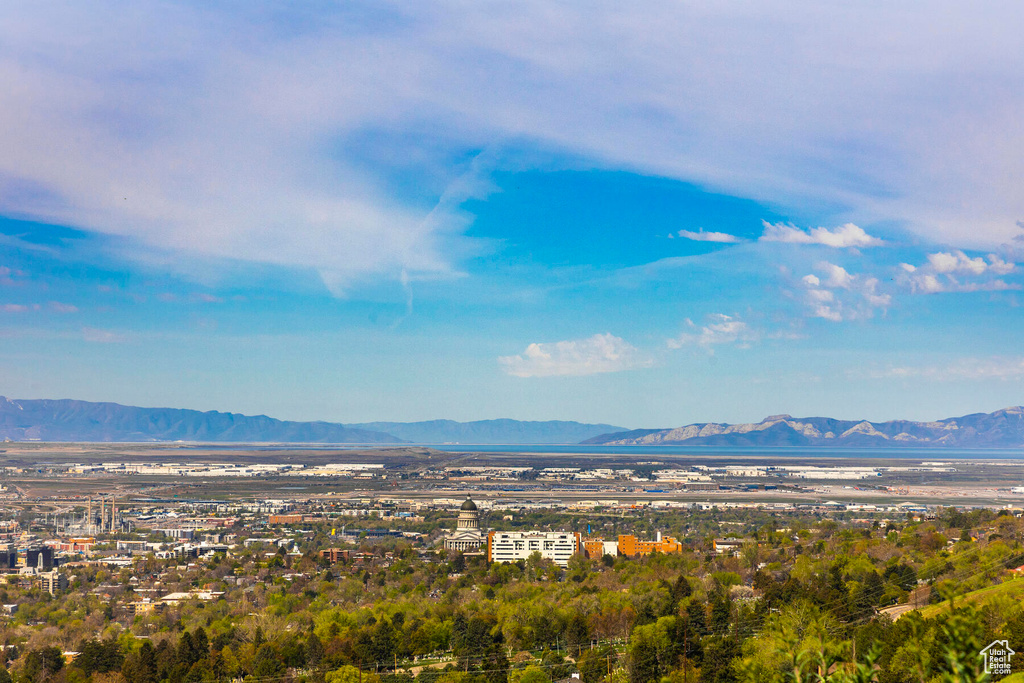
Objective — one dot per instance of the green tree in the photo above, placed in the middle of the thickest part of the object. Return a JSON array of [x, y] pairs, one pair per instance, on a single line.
[[97, 656], [349, 674], [651, 651], [717, 663], [42, 664], [577, 633], [533, 674], [141, 666], [721, 614], [696, 617], [593, 665], [266, 663], [796, 645], [314, 650]]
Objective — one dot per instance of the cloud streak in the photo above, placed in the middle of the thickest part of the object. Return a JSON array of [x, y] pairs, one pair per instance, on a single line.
[[843, 237], [598, 354], [702, 236], [99, 336], [6, 276], [957, 272], [240, 132], [720, 329], [971, 369]]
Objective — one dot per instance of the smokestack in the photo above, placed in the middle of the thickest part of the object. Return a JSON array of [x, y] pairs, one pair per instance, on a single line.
[[659, 537], [113, 515]]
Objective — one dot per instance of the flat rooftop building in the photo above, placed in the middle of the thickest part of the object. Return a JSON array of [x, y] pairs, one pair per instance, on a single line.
[[511, 546]]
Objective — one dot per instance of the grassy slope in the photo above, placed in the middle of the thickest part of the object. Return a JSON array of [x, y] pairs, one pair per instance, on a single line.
[[1013, 588]]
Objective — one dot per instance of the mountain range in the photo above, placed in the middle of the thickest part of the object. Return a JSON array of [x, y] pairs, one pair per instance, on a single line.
[[1000, 429], [70, 420]]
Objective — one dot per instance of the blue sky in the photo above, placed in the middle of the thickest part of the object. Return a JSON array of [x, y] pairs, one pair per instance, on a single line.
[[542, 211]]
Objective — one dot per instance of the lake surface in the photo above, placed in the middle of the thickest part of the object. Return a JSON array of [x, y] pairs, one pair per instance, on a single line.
[[936, 454], [647, 452]]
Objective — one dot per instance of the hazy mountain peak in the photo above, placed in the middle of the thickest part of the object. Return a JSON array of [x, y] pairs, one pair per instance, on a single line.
[[1000, 429]]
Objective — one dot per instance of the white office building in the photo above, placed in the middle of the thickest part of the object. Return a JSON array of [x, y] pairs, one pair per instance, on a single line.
[[510, 546]]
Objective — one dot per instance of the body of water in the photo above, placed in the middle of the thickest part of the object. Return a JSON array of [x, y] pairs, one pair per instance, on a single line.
[[931, 454], [653, 452]]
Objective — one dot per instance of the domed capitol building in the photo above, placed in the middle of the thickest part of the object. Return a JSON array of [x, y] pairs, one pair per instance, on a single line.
[[467, 536]]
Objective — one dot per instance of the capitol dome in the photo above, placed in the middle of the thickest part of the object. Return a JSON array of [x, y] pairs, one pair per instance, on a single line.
[[467, 536]]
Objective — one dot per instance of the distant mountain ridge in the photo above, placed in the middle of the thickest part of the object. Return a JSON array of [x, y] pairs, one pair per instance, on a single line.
[[490, 431], [1000, 429], [71, 420]]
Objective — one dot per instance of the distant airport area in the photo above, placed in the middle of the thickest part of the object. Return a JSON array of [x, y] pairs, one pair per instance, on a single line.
[[36, 471]]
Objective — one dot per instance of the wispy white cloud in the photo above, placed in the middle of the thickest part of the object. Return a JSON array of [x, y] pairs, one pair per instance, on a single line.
[[845, 236], [957, 272], [839, 295], [241, 133], [837, 276], [869, 290], [702, 236], [12, 276], [593, 355], [56, 306], [994, 368], [99, 336], [958, 262], [720, 329]]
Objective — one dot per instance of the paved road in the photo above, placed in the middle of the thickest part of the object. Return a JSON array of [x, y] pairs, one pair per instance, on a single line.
[[897, 611]]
